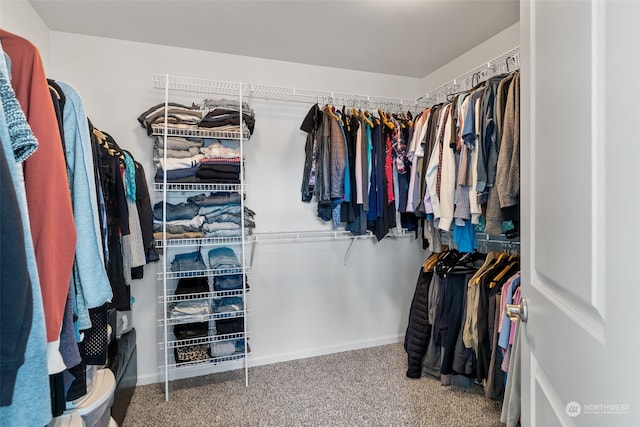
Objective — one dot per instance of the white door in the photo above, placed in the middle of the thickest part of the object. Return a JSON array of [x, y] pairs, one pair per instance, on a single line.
[[580, 133]]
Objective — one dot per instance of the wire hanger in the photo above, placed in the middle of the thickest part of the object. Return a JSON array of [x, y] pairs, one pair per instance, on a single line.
[[506, 61]]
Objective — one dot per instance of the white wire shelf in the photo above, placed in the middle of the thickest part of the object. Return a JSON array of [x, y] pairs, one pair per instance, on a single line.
[[171, 321], [211, 361], [204, 241], [193, 186], [280, 236], [486, 241], [274, 93], [194, 84], [159, 130], [305, 235], [203, 273], [507, 62], [311, 96], [313, 235], [205, 340], [200, 295]]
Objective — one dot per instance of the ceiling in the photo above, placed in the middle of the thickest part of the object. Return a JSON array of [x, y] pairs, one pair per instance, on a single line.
[[401, 37]]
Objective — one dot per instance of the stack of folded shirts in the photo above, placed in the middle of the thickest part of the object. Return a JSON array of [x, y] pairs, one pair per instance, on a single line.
[[220, 164], [224, 115], [179, 116], [196, 159], [221, 115], [213, 163]]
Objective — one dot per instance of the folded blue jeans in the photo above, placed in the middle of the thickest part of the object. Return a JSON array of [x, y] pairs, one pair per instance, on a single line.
[[183, 210], [223, 258], [227, 304], [220, 209], [191, 261], [228, 283]]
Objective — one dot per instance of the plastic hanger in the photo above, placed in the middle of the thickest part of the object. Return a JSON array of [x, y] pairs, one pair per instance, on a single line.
[[55, 91], [385, 120], [431, 261], [501, 275], [499, 257], [448, 260], [465, 262], [332, 113], [365, 115]]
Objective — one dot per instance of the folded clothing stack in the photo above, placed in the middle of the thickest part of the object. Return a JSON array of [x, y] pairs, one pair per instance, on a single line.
[[223, 114], [192, 352], [195, 352], [215, 215], [191, 307], [196, 159], [179, 116]]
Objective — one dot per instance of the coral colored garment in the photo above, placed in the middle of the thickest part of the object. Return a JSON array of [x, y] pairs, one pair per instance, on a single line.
[[46, 183]]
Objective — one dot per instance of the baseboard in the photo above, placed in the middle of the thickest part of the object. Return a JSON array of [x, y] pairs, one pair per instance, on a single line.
[[276, 358], [192, 372], [320, 351]]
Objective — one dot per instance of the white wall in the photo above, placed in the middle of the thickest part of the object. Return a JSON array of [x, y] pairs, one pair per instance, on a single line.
[[303, 301], [484, 52], [19, 17]]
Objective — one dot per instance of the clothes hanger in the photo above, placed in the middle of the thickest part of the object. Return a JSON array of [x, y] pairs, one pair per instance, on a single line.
[[451, 96], [331, 111], [509, 267], [385, 119], [448, 260], [499, 258], [506, 62], [430, 262], [55, 91], [465, 263], [108, 143], [365, 115]]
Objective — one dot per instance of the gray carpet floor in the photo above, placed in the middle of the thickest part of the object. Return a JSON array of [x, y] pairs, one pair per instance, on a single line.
[[365, 387]]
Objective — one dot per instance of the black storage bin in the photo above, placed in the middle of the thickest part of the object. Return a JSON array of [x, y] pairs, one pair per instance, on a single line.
[[124, 365]]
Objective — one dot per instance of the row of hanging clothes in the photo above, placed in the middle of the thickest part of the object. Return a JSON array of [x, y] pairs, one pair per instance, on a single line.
[[458, 330], [466, 163], [351, 167], [454, 166], [76, 227]]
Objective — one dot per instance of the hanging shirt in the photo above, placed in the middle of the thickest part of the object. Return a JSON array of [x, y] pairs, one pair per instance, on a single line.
[[45, 176], [31, 401]]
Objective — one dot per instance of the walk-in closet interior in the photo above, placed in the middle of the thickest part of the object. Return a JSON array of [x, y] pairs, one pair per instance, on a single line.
[[194, 191]]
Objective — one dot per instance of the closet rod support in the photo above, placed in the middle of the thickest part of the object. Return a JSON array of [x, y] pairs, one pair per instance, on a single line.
[[346, 256], [253, 250]]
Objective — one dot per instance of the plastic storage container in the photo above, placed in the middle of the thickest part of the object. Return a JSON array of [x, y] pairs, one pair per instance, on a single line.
[[95, 410], [67, 420]]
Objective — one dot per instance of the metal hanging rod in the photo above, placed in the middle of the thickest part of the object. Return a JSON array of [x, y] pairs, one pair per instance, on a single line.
[[486, 242], [507, 62]]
